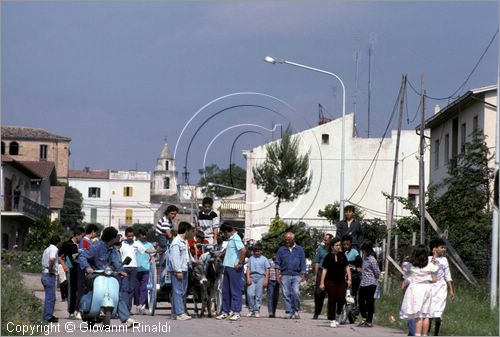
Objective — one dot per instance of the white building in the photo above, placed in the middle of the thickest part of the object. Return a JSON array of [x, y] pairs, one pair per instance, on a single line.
[[369, 166], [164, 183], [114, 198], [451, 128]]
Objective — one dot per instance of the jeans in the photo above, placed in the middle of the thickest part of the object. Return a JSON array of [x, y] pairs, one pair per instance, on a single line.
[[411, 327], [232, 287], [49, 285], [179, 288], [273, 293], [290, 287], [141, 290], [254, 292]]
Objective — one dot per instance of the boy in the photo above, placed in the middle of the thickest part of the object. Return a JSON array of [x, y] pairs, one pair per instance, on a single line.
[[257, 279], [208, 221]]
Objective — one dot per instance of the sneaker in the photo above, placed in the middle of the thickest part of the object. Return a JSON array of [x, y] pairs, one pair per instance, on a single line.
[[183, 317], [235, 317], [53, 319], [78, 315], [288, 316], [368, 325], [315, 316], [71, 316], [334, 324], [272, 315], [222, 316], [296, 315], [362, 323], [257, 314], [251, 314], [131, 322]]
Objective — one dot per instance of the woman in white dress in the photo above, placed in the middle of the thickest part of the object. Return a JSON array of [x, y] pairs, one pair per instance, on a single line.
[[418, 296]]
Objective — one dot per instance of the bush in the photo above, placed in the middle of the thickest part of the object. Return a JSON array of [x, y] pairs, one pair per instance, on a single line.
[[19, 305], [30, 262]]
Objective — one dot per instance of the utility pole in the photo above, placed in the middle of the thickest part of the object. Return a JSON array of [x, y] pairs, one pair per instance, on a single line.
[[369, 85], [421, 193], [390, 213], [109, 223]]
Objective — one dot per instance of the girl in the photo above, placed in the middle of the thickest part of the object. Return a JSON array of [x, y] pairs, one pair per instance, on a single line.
[[335, 268], [418, 296], [370, 273]]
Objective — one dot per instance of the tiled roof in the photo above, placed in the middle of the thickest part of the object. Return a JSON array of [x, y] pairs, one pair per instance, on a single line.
[[20, 132], [42, 168], [89, 174], [57, 196]]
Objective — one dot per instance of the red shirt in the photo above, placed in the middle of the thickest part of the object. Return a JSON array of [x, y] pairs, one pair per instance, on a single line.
[[196, 251]]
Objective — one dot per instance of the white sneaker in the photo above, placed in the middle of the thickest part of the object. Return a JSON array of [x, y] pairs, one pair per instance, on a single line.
[[251, 314], [334, 324], [183, 317], [235, 317], [256, 314], [222, 316], [296, 315], [131, 322], [78, 315]]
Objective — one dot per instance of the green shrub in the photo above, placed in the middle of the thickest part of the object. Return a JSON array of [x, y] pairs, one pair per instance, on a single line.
[[30, 262], [19, 305]]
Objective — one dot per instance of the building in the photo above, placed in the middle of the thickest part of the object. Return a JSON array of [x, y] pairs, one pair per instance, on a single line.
[[164, 183], [114, 198], [32, 144], [452, 126], [369, 164], [33, 181]]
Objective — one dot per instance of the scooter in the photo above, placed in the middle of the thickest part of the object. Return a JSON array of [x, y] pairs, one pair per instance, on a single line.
[[101, 303]]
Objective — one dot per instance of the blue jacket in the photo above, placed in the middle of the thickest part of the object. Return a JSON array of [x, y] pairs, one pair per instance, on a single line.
[[291, 263], [99, 256]]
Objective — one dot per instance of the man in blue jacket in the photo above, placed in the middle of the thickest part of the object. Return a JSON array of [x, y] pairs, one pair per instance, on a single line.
[[290, 272]]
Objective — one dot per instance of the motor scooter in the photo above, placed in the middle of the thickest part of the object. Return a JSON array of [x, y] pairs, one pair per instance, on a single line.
[[101, 302]]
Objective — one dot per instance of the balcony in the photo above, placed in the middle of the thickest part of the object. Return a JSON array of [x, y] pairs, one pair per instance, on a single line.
[[25, 207], [232, 210]]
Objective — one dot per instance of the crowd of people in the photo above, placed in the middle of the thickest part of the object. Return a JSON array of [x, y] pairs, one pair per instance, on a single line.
[[345, 266]]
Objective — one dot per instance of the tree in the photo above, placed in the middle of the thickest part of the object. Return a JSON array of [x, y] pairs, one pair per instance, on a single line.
[[234, 176], [71, 213], [332, 213], [284, 173], [41, 232]]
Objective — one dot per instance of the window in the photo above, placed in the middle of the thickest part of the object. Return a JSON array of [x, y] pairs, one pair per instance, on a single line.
[[93, 215], [128, 216], [43, 152], [94, 192], [447, 149], [463, 133], [325, 138], [454, 139], [14, 148], [128, 191], [3, 148], [436, 155], [475, 123], [166, 183], [166, 165], [413, 195]]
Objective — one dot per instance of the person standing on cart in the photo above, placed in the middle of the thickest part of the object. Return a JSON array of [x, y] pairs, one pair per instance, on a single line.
[[164, 227], [208, 221]]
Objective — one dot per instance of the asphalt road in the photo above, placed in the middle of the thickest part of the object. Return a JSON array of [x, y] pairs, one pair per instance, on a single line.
[[162, 325]]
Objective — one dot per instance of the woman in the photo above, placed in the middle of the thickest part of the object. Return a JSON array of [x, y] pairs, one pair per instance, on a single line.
[[335, 268], [370, 273]]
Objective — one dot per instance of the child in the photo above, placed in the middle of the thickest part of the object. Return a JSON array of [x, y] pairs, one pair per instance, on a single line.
[[273, 288], [443, 282], [418, 296], [369, 282], [143, 265], [257, 278]]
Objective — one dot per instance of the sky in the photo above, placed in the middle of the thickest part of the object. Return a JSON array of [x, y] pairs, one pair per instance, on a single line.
[[121, 78]]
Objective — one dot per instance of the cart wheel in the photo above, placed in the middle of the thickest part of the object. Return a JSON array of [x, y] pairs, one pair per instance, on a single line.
[[152, 291]]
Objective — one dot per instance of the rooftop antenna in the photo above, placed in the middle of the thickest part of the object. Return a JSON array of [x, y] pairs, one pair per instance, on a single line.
[[371, 43], [357, 37]]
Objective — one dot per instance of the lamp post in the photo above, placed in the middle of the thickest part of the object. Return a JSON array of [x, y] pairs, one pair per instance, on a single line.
[[229, 187], [273, 60]]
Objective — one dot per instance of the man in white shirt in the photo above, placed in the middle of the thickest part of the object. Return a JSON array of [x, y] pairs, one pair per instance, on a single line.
[[49, 279], [129, 248]]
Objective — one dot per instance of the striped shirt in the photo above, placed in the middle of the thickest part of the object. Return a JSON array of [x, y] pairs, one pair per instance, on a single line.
[[163, 224]]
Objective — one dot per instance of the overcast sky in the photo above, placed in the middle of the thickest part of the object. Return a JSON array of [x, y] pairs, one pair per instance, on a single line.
[[117, 78]]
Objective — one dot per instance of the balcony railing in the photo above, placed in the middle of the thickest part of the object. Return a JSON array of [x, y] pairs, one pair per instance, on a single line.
[[232, 210], [27, 207]]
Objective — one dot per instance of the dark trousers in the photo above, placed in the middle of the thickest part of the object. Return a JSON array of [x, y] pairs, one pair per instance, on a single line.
[[72, 277], [141, 290], [132, 285], [367, 302], [63, 287], [319, 295], [232, 288], [273, 293], [336, 298]]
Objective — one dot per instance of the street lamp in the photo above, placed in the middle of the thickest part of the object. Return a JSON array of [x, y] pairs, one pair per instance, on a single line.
[[224, 186], [273, 60]]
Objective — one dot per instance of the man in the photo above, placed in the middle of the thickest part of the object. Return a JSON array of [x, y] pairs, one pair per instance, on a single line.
[[232, 285], [179, 260], [291, 271], [443, 283], [88, 238], [102, 254], [355, 263], [194, 245], [68, 258], [165, 225], [350, 226], [208, 221], [319, 295], [49, 279], [17, 196]]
